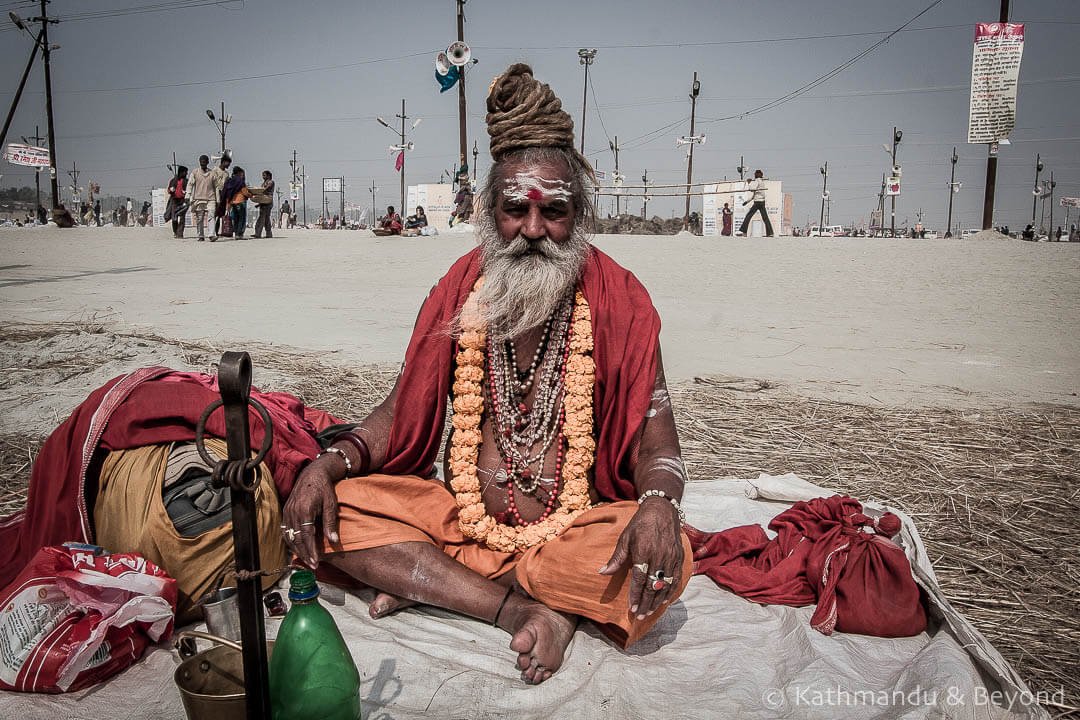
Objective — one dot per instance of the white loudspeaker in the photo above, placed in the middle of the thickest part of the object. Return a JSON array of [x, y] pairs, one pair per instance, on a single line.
[[458, 53], [442, 63]]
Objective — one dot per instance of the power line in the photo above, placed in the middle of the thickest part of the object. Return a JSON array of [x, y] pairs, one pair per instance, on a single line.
[[247, 77], [596, 107], [827, 76], [754, 41]]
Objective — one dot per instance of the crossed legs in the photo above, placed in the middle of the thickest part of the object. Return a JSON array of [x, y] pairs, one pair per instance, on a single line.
[[417, 572]]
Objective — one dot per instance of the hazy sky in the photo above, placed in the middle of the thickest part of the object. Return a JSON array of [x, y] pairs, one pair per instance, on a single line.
[[130, 89]]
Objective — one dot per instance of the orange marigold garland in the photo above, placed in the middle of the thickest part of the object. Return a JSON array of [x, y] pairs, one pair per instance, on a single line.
[[473, 518]]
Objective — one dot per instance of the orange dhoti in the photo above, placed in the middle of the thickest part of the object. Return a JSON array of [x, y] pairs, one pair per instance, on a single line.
[[378, 510]]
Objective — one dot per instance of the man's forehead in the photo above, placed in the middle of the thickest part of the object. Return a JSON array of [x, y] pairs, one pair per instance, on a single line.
[[536, 184]]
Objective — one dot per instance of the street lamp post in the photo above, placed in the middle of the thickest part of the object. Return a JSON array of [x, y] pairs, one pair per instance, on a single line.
[[585, 57], [617, 179], [224, 119], [954, 187], [1035, 200], [402, 147], [896, 136], [475, 153], [824, 194], [1050, 230]]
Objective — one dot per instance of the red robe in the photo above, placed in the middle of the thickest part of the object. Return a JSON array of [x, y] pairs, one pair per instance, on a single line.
[[626, 334], [146, 407]]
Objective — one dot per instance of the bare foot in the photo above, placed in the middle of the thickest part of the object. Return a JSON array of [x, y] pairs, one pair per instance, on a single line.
[[384, 604], [540, 637]]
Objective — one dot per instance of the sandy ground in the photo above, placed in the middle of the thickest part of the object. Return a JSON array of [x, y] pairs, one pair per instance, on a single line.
[[894, 322]]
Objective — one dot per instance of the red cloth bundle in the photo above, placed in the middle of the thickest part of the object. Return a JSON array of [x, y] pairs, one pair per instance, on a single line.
[[826, 551]]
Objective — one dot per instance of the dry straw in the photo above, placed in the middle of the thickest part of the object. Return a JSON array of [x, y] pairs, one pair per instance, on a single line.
[[995, 493]]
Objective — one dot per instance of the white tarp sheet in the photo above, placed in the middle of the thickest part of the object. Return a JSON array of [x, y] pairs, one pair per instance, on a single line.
[[713, 655]]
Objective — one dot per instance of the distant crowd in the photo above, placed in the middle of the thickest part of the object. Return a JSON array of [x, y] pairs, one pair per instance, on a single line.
[[218, 197]]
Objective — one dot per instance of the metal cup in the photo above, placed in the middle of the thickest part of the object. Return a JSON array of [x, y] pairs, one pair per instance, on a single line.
[[222, 613]]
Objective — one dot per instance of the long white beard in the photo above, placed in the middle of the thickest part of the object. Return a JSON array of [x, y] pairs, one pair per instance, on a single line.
[[525, 280]]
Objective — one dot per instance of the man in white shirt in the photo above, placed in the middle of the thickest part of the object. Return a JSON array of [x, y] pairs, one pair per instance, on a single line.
[[757, 188], [202, 193]]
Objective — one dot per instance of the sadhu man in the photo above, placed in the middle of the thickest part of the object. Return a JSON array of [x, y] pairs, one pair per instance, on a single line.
[[563, 470]]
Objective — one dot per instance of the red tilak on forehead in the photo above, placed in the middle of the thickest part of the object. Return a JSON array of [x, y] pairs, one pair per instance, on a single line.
[[535, 194]]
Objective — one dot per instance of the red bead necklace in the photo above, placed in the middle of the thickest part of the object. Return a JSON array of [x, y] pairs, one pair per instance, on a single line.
[[550, 505]]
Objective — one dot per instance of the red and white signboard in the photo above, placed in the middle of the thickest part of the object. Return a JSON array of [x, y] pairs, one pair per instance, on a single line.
[[995, 71], [892, 187], [29, 155], [1070, 202]]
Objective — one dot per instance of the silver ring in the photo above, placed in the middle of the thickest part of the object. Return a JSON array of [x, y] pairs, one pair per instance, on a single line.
[[643, 567], [307, 524]]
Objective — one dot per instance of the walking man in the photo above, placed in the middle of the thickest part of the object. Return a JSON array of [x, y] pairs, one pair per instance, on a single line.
[[221, 174], [757, 187], [265, 205], [283, 218], [202, 194]]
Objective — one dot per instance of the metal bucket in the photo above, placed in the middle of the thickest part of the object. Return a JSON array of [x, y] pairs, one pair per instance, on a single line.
[[211, 682]]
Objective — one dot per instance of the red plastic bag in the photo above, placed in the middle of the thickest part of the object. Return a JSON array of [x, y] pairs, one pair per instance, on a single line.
[[72, 618]]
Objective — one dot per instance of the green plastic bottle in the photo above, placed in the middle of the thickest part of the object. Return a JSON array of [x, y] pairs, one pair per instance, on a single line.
[[312, 674]]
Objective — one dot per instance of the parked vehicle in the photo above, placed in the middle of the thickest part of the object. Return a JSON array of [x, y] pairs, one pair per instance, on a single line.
[[968, 233]]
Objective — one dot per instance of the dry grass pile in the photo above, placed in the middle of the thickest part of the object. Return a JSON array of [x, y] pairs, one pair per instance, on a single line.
[[994, 493]]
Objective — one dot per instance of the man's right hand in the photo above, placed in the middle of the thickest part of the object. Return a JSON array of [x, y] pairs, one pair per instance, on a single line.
[[311, 513]]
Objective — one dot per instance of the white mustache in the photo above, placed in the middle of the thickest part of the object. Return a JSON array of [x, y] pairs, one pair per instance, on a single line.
[[521, 246]]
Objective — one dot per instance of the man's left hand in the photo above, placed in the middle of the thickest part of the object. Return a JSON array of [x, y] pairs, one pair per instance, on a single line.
[[652, 538]]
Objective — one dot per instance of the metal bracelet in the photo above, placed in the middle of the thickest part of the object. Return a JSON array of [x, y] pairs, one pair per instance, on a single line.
[[341, 453], [662, 494]]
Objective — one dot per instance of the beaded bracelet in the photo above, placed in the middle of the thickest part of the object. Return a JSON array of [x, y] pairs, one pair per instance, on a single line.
[[361, 447], [341, 453], [662, 494]]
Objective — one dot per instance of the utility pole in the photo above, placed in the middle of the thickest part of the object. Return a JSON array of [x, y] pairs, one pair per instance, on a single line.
[[73, 173], [46, 54], [991, 160], [403, 116], [37, 138], [585, 57], [373, 191], [615, 149], [223, 124], [475, 152], [824, 194], [293, 166], [742, 167], [645, 205], [952, 191], [896, 135], [881, 206], [303, 189], [694, 90], [1036, 192], [1050, 230], [463, 144]]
